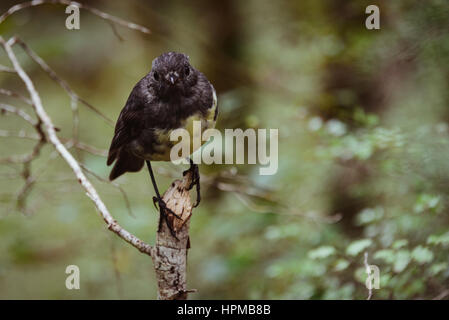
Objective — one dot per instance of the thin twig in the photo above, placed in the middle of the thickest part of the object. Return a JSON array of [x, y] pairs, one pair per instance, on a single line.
[[91, 149], [368, 272], [101, 14], [19, 112], [21, 134], [6, 69], [70, 143], [115, 185], [442, 295], [67, 156], [26, 158], [21, 196], [114, 30], [76, 121], [11, 176], [52, 74], [118, 279], [13, 94]]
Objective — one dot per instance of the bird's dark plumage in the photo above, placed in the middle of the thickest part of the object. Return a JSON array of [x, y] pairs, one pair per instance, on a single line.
[[170, 96]]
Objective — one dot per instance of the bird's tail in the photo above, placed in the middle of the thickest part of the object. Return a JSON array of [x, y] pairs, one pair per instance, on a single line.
[[126, 162]]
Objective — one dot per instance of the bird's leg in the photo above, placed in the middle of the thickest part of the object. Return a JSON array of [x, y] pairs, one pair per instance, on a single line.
[[195, 180], [163, 209]]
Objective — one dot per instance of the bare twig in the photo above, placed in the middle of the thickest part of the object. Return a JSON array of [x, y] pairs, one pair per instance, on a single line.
[[26, 159], [11, 109], [21, 196], [114, 30], [70, 143], [66, 155], [101, 14], [118, 278], [170, 253], [52, 74], [442, 295], [368, 272], [13, 94], [115, 185], [10, 176], [76, 120], [91, 149], [315, 217], [6, 69], [21, 134]]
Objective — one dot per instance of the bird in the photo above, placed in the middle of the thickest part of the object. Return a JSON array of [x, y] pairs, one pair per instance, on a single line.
[[171, 96]]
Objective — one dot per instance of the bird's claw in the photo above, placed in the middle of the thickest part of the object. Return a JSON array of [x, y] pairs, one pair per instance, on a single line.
[[163, 207], [164, 211], [195, 181]]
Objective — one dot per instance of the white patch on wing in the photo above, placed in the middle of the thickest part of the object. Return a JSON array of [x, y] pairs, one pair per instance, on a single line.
[[214, 96], [212, 110]]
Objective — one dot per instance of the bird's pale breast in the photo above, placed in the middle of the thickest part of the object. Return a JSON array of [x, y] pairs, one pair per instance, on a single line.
[[162, 145]]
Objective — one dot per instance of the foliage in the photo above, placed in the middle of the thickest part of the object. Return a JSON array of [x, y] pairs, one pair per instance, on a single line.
[[363, 152]]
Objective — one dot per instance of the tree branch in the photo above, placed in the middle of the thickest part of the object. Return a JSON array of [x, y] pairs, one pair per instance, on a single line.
[[101, 14], [368, 272], [66, 155], [13, 94], [11, 109], [169, 254], [52, 74], [6, 69]]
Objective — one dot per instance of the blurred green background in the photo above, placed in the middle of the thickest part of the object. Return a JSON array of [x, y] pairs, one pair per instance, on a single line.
[[363, 151]]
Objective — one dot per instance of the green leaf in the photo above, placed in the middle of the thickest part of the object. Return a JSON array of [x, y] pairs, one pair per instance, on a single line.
[[402, 260], [437, 268], [369, 215], [398, 244], [427, 202], [422, 255], [360, 274], [386, 255], [321, 252], [358, 246], [341, 265], [441, 239]]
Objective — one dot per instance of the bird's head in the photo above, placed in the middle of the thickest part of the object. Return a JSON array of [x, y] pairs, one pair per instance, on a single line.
[[172, 75]]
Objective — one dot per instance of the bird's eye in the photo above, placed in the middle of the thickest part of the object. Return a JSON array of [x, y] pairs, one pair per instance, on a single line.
[[187, 70], [156, 76]]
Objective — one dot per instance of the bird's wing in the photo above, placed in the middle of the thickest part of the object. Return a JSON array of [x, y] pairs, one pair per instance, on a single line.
[[128, 127]]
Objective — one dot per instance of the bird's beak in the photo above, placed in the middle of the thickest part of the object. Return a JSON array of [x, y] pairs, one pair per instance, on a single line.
[[172, 77]]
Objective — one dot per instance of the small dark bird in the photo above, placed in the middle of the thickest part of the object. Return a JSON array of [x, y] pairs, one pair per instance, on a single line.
[[171, 96]]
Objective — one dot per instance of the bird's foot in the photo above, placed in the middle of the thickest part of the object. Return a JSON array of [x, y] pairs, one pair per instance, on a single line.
[[195, 181], [164, 212]]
